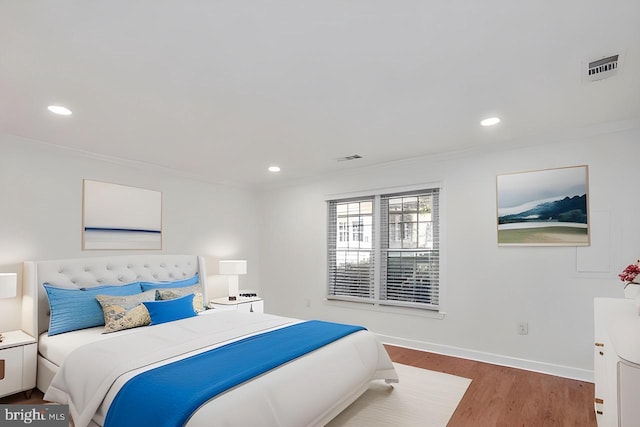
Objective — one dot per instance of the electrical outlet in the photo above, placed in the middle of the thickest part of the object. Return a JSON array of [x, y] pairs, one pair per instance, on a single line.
[[523, 328]]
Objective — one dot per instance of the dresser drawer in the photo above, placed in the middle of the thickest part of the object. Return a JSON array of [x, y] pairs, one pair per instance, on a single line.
[[11, 363]]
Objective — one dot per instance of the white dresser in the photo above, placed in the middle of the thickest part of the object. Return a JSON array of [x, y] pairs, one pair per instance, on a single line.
[[617, 362]]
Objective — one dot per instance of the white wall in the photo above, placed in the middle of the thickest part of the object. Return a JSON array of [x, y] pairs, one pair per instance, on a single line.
[[41, 212], [488, 289]]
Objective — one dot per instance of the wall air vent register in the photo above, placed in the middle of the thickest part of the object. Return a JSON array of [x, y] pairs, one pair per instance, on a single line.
[[602, 68], [347, 158]]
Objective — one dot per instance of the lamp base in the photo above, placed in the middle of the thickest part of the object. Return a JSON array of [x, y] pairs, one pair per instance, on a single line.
[[233, 287]]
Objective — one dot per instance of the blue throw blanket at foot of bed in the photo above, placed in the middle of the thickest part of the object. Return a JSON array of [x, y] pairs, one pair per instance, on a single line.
[[169, 394]]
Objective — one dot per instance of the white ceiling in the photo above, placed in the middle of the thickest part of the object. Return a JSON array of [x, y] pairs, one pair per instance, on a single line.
[[222, 89]]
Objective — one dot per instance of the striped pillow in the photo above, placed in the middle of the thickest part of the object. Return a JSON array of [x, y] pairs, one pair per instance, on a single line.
[[73, 309]]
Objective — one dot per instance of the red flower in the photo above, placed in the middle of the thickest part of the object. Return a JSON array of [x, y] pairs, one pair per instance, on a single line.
[[629, 273]]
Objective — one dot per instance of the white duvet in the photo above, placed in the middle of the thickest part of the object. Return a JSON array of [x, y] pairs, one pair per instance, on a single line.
[[308, 391]]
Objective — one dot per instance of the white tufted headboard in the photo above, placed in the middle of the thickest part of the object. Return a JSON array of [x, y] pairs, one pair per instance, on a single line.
[[90, 272]]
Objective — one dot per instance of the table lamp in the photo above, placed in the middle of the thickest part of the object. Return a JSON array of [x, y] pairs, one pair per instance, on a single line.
[[233, 268]]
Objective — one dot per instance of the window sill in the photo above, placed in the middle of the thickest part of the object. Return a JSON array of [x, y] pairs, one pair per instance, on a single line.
[[378, 308]]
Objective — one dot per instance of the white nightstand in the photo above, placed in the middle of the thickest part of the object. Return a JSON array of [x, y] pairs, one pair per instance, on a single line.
[[18, 361], [249, 305]]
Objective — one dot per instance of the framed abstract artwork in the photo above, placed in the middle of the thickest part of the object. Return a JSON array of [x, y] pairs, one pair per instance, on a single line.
[[119, 217], [544, 208]]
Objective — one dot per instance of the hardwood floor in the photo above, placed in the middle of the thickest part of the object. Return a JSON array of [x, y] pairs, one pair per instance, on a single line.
[[36, 398], [506, 397], [497, 397]]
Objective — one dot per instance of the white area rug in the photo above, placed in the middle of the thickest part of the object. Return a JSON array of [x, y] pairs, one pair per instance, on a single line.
[[422, 398]]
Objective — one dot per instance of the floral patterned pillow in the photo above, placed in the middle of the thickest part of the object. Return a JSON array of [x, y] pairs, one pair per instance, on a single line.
[[172, 293], [125, 312]]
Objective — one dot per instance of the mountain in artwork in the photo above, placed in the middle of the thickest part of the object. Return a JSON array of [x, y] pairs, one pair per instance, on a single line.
[[570, 209]]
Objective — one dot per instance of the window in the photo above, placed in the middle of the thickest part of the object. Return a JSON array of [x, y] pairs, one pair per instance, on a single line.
[[402, 266], [351, 256]]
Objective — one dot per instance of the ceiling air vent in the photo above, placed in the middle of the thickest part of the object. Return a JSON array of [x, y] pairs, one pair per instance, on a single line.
[[347, 158], [602, 68]]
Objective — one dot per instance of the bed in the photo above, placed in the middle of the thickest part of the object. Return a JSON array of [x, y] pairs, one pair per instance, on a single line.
[[97, 373]]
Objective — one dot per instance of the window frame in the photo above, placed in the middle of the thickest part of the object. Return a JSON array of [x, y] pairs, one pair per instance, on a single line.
[[378, 280]]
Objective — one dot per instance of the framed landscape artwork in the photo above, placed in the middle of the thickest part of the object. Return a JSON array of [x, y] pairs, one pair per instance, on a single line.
[[544, 208], [118, 217]]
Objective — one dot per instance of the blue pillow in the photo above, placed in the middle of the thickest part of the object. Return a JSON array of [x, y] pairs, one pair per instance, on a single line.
[[147, 286], [170, 310], [73, 309]]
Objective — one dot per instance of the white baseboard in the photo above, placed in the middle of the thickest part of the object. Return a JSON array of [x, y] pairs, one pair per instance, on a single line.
[[496, 359]]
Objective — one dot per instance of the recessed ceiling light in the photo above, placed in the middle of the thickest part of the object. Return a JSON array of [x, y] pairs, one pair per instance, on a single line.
[[274, 169], [59, 109], [490, 121]]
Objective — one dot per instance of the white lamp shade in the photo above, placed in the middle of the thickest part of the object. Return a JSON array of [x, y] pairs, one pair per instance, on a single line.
[[8, 285], [233, 267]]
